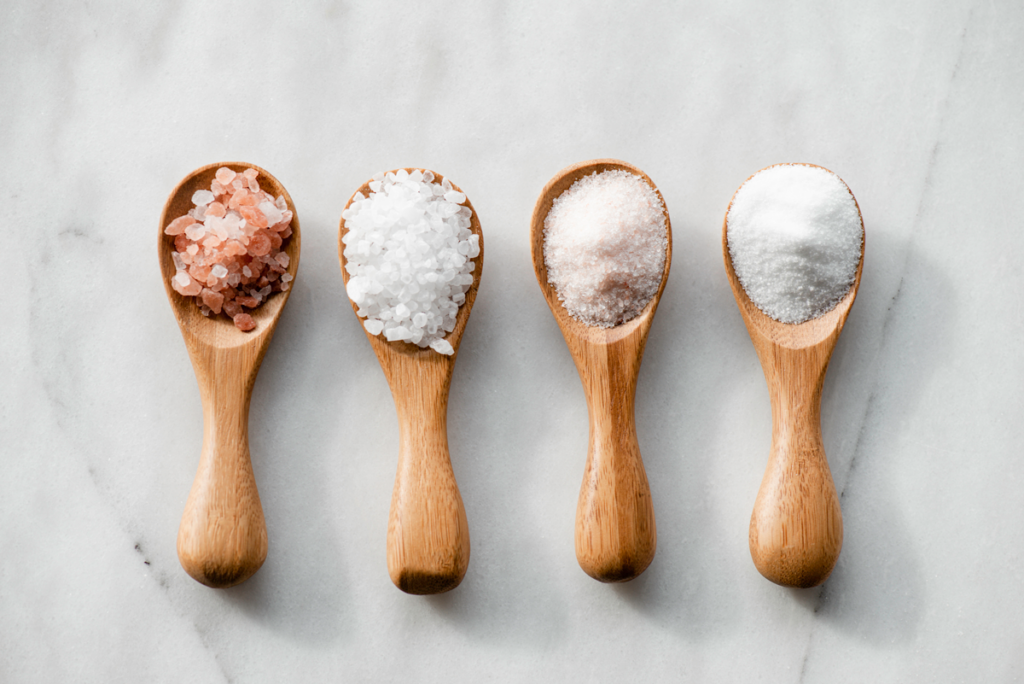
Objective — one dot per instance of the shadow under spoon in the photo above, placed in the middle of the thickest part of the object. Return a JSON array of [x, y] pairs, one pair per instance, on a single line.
[[222, 540], [616, 536], [796, 528], [428, 533]]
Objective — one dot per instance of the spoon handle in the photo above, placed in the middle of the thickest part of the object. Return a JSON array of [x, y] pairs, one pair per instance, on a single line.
[[796, 529], [615, 532], [428, 534], [222, 540]]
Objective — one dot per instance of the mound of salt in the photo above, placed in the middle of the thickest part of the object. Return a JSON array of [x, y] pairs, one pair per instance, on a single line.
[[409, 254], [228, 247]]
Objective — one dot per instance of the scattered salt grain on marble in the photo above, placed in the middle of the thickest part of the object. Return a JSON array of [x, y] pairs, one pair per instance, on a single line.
[[795, 238], [605, 243], [409, 254], [228, 248]]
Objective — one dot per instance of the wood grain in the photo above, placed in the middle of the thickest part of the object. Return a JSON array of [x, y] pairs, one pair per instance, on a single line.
[[222, 540], [796, 529], [428, 532], [616, 536]]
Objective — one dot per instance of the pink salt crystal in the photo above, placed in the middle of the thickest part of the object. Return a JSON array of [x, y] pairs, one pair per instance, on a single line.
[[275, 241], [224, 176], [260, 244], [282, 258], [244, 322], [253, 215], [249, 302], [215, 209], [192, 289], [195, 231], [231, 307], [212, 299], [250, 174], [234, 248], [178, 225], [200, 271], [181, 242]]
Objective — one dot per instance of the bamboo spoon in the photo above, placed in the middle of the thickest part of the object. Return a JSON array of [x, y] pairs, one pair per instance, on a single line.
[[222, 540], [796, 529], [615, 531], [428, 534]]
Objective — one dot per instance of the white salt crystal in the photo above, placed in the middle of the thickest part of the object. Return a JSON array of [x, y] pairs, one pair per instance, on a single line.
[[442, 347], [202, 197], [219, 271], [795, 238], [605, 242], [182, 278], [373, 326]]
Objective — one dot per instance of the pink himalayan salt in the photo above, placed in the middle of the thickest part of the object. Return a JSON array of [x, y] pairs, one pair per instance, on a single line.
[[224, 176], [228, 249], [244, 322]]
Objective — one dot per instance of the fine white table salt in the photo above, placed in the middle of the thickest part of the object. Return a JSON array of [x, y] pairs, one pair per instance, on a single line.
[[409, 254], [795, 237], [605, 241]]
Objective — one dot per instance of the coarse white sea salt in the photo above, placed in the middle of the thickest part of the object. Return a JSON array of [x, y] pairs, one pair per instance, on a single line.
[[605, 241], [409, 254], [795, 238]]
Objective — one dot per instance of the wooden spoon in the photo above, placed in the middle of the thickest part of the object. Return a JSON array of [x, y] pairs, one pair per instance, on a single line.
[[796, 529], [428, 534], [615, 531], [222, 540]]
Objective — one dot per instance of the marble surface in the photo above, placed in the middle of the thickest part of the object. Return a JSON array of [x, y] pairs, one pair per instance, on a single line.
[[107, 105]]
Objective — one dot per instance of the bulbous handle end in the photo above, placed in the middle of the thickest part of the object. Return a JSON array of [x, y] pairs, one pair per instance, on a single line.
[[616, 537], [796, 529], [222, 540]]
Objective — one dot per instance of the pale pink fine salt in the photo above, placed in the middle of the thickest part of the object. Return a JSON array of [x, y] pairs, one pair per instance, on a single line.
[[228, 247]]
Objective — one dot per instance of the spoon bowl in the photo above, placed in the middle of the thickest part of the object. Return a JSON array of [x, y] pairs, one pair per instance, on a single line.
[[796, 529], [615, 530], [428, 533], [222, 540]]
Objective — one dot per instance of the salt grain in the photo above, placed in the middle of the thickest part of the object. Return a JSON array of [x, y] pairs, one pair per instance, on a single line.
[[408, 253], [605, 243], [795, 239]]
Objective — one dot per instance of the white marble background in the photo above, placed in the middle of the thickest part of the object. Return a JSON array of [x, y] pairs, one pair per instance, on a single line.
[[105, 106]]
